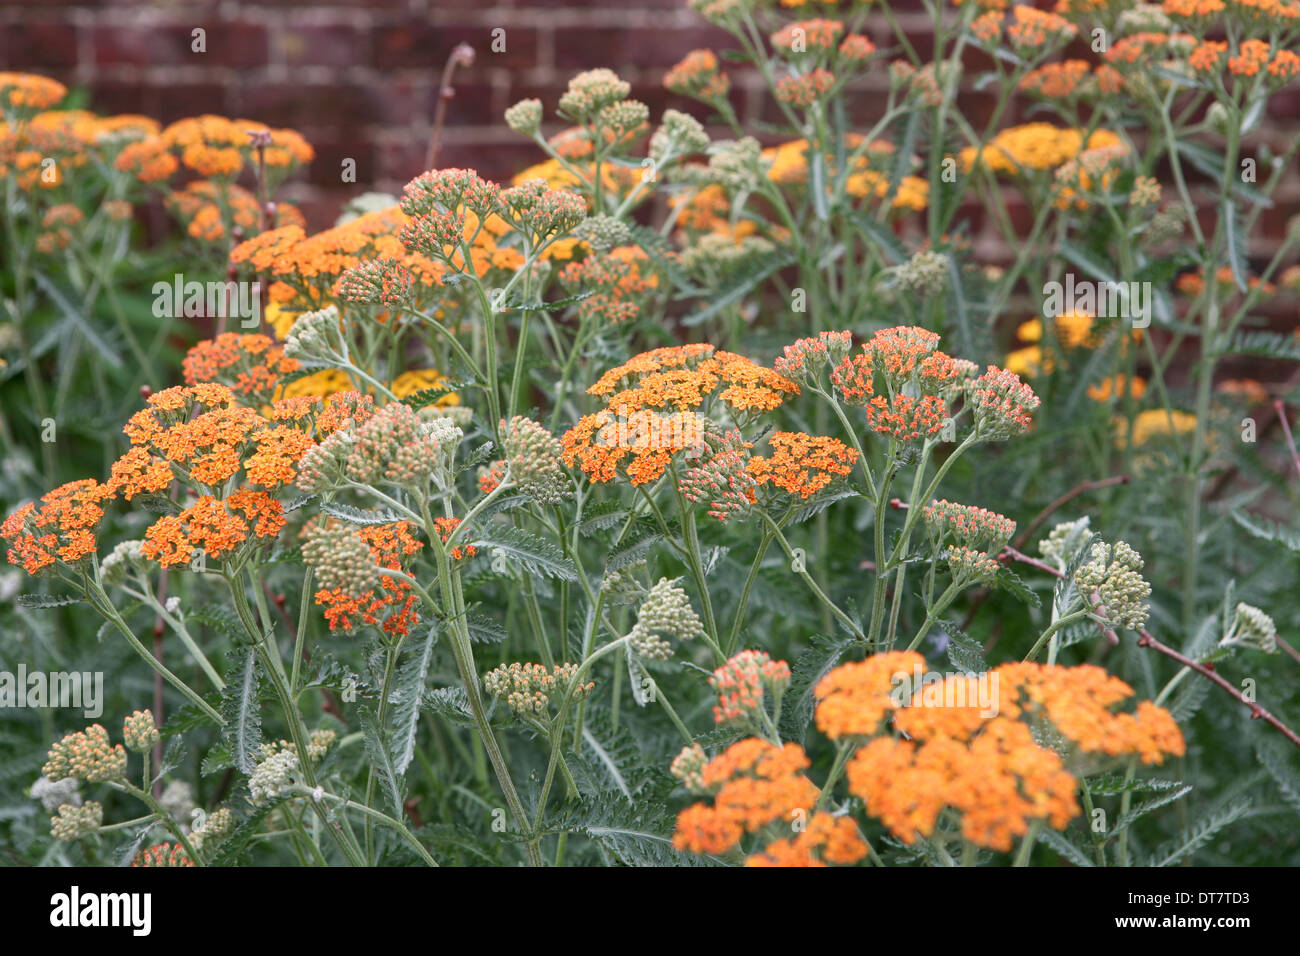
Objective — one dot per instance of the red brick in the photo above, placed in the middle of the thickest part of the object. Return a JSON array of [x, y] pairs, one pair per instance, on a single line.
[[582, 48], [179, 100], [295, 103], [40, 45], [336, 45], [416, 43], [225, 44]]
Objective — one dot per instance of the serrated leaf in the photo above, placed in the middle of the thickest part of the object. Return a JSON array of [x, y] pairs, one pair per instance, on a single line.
[[382, 762], [1268, 530], [360, 516], [405, 697], [241, 710], [1008, 580], [47, 600], [450, 703], [536, 555], [1196, 835], [1155, 803]]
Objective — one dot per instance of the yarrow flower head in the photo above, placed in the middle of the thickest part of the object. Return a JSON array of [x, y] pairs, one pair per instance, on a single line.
[[1113, 572], [804, 360], [854, 699], [972, 526], [139, 731], [603, 233], [665, 612], [339, 557], [529, 689], [385, 282], [1002, 404], [533, 457], [273, 777], [525, 117], [542, 214], [162, 854], [592, 91], [394, 447], [86, 755], [755, 783], [741, 684], [74, 822], [315, 336], [1253, 628], [688, 767], [721, 480], [803, 464], [697, 76], [60, 528]]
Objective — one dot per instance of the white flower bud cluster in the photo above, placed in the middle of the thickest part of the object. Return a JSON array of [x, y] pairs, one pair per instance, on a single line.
[[925, 274], [603, 233], [341, 559], [666, 611], [533, 456], [1064, 541], [680, 134], [312, 336], [525, 117], [1113, 572], [1254, 628], [217, 825], [273, 776], [688, 767], [73, 822], [124, 558]]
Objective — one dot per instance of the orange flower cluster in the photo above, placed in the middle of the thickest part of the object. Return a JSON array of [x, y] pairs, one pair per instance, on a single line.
[[855, 698], [61, 528], [755, 783], [805, 90], [208, 438], [206, 206], [1056, 81], [616, 278], [25, 92], [998, 783], [445, 528], [808, 36], [599, 443], [393, 600], [650, 404], [825, 839], [71, 139], [1034, 29], [986, 766], [309, 268], [214, 526], [250, 364], [802, 464], [697, 75], [215, 147]]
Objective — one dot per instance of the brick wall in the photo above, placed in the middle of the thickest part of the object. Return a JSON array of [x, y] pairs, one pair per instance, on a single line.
[[359, 78]]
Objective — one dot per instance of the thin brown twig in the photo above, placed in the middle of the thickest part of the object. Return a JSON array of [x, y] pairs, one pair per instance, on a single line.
[[462, 55], [1079, 489], [1146, 640], [1286, 429]]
